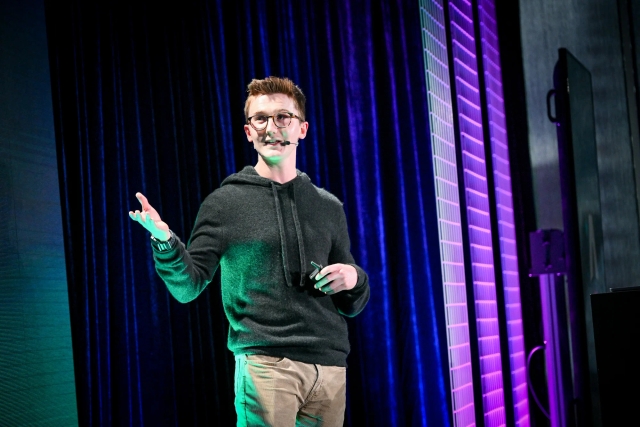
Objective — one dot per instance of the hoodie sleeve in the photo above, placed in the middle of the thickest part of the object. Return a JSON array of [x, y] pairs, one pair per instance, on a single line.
[[187, 270], [351, 302]]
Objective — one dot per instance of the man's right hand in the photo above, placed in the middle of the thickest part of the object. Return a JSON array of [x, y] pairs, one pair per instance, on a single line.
[[150, 219]]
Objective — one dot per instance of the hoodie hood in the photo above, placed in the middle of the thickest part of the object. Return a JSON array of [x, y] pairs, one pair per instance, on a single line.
[[249, 176]]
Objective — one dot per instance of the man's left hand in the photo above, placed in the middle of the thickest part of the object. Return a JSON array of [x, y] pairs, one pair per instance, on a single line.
[[336, 278]]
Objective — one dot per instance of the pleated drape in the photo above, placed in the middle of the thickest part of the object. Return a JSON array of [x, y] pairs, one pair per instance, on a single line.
[[149, 97]]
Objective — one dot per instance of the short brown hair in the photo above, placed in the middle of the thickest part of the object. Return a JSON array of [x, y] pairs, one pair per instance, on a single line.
[[270, 85]]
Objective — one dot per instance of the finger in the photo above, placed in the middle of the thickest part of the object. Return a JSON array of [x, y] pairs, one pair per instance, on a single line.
[[341, 287], [330, 276], [135, 216], [333, 287], [322, 282], [143, 201], [331, 280], [143, 219], [326, 289], [327, 270], [146, 207], [330, 290], [140, 218], [147, 220]]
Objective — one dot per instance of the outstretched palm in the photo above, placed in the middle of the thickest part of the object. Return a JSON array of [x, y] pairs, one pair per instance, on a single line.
[[150, 219]]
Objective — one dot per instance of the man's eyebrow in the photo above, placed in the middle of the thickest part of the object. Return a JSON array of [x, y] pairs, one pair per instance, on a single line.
[[264, 113]]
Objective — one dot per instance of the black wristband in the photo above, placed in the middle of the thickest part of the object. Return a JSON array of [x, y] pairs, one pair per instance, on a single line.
[[165, 246]]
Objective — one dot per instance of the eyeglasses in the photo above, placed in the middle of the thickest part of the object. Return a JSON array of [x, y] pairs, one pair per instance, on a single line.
[[281, 120]]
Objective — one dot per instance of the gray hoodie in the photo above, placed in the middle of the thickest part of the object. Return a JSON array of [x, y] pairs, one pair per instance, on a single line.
[[263, 235]]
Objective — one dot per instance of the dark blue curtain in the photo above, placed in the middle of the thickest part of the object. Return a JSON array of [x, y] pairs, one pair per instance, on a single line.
[[149, 97]]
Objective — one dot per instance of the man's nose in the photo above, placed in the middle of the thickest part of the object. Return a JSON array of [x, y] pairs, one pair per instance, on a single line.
[[271, 124]]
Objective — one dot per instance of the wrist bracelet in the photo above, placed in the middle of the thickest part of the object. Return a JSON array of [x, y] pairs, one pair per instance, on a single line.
[[165, 246]]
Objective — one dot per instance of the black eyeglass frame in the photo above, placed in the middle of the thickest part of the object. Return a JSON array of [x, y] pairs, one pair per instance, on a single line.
[[273, 118]]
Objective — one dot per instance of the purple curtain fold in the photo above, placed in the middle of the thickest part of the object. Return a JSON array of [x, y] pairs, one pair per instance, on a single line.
[[150, 98]]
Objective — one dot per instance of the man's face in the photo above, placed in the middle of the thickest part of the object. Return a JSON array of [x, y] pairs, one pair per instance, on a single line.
[[264, 141]]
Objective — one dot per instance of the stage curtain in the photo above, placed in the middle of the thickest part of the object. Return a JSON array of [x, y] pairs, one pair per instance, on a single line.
[[149, 96]]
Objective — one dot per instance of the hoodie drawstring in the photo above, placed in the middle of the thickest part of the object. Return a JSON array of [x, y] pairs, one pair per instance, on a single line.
[[296, 221], [283, 241]]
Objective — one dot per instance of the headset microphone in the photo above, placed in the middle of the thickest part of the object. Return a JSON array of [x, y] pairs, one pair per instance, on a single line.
[[283, 143], [272, 135]]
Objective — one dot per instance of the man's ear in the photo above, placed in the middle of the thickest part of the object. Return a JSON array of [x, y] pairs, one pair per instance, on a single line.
[[304, 127], [247, 131]]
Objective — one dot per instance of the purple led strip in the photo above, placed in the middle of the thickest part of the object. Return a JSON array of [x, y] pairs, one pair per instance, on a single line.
[[468, 102], [504, 200], [434, 41]]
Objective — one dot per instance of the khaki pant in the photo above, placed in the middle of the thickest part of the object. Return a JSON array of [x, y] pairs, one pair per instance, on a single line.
[[279, 392]]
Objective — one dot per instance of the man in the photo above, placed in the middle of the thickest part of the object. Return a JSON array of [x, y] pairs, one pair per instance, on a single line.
[[265, 226]]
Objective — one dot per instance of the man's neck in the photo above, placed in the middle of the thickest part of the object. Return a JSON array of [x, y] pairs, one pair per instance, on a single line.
[[276, 172]]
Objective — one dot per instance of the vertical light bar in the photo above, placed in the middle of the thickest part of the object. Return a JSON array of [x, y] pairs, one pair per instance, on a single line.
[[468, 102], [434, 41], [504, 208]]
